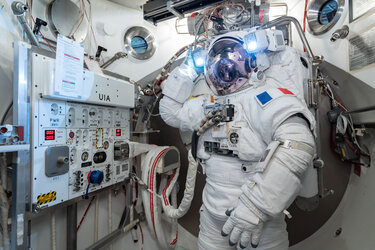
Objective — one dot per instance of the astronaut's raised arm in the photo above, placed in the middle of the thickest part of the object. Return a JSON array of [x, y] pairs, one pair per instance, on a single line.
[[286, 126], [176, 108]]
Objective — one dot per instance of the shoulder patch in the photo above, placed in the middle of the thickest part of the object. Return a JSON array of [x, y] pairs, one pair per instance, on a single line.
[[268, 96]]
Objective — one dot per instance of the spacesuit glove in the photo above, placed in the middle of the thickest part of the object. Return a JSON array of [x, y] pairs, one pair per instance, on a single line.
[[245, 223]]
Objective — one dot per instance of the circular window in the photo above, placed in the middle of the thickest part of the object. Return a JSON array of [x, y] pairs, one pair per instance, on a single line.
[[66, 18], [328, 12], [139, 43], [322, 15]]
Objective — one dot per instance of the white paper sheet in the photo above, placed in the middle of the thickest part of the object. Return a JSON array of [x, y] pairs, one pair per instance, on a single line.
[[69, 67]]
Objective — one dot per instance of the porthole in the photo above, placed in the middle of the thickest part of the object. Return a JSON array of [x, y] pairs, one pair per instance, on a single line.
[[322, 15], [139, 43], [328, 12], [66, 18]]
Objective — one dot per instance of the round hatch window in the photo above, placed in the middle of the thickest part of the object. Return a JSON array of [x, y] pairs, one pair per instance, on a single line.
[[323, 15], [328, 12], [139, 44]]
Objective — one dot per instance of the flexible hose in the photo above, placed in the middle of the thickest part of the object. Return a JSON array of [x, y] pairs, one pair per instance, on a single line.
[[164, 230], [184, 206], [194, 144]]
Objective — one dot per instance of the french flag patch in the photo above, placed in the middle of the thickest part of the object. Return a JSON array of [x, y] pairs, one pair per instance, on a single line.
[[268, 96]]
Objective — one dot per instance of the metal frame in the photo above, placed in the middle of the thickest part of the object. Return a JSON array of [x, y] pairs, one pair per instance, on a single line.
[[313, 93], [170, 8], [129, 220], [287, 20], [146, 35], [351, 19], [312, 16], [21, 167], [71, 227]]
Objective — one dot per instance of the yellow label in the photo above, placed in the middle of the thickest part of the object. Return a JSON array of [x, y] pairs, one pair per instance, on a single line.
[[343, 152], [195, 96], [46, 198]]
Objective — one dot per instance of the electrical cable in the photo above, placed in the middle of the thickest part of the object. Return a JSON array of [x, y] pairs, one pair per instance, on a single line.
[[214, 9], [85, 213], [332, 146], [6, 113], [336, 101], [140, 229], [88, 186], [80, 21], [124, 189], [304, 20], [87, 191], [89, 19]]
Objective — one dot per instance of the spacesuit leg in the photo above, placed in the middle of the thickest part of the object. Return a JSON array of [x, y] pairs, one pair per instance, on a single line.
[[210, 233], [274, 236]]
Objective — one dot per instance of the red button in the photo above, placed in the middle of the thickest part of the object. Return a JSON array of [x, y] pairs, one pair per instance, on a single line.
[[71, 134]]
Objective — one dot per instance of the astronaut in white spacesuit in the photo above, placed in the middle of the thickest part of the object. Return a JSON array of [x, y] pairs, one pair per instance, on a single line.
[[254, 157]]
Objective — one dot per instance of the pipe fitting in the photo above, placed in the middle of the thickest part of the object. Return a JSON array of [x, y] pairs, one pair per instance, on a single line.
[[19, 8], [340, 33]]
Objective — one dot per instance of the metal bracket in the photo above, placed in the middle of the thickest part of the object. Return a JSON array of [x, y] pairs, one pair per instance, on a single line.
[[322, 191], [360, 131], [175, 12]]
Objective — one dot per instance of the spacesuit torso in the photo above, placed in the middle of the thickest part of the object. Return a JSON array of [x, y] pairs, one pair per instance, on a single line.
[[229, 151]]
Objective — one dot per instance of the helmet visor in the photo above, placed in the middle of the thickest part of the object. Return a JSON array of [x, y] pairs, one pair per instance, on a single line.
[[227, 66]]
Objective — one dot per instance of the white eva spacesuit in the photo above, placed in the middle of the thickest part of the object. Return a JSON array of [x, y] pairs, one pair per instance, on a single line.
[[253, 161]]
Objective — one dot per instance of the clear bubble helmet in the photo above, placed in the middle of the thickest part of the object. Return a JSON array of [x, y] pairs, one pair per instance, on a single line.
[[227, 65]]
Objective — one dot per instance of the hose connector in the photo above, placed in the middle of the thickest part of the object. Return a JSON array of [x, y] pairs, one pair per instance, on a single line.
[[340, 33]]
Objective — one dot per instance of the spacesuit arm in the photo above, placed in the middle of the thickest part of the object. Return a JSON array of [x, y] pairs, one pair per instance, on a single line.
[[176, 109], [275, 188]]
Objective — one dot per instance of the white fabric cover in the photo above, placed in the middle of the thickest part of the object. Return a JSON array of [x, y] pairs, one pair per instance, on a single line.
[[276, 188], [179, 84], [185, 116], [294, 74]]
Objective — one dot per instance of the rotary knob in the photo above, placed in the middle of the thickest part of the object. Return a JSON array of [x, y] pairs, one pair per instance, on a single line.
[[96, 177]]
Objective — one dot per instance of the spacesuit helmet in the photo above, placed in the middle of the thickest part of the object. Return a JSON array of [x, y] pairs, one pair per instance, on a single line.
[[227, 66]]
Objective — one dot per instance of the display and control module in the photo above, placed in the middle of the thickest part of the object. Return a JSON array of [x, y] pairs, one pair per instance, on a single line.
[[73, 140]]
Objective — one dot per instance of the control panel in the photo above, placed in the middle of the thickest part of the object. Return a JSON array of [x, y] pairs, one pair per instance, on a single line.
[[10, 134], [73, 142]]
